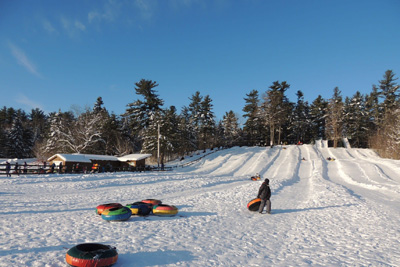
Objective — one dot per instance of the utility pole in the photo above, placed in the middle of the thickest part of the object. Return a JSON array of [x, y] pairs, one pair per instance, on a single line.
[[158, 147]]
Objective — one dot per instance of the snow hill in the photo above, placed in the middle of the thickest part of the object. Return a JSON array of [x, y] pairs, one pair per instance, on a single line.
[[344, 212]]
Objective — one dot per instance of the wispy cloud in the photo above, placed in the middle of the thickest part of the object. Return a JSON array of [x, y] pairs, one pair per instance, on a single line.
[[23, 60], [24, 100], [109, 12], [113, 10], [72, 27], [146, 9], [79, 25], [48, 26]]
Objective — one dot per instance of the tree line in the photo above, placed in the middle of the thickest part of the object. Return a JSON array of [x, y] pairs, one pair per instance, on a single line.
[[368, 121]]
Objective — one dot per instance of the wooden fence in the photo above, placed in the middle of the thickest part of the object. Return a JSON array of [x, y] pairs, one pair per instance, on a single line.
[[41, 169]]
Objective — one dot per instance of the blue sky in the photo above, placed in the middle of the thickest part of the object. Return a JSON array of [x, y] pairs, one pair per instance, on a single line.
[[64, 54]]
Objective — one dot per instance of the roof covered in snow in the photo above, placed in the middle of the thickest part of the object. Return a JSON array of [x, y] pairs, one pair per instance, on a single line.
[[20, 161], [87, 158], [133, 157]]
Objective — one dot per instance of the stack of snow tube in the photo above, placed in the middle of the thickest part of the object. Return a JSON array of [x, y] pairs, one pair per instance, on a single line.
[[117, 214], [91, 255], [165, 210], [254, 204], [140, 208], [104, 207]]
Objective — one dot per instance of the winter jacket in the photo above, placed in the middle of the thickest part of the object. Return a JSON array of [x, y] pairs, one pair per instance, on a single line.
[[264, 192]]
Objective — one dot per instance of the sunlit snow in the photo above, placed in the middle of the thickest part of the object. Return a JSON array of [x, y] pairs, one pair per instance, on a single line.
[[324, 213]]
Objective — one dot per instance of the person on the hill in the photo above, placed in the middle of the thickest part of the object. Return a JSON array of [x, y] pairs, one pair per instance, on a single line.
[[264, 193]]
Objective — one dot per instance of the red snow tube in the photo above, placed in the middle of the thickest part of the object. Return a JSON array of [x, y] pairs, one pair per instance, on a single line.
[[165, 210], [91, 255], [153, 202], [254, 204], [103, 207]]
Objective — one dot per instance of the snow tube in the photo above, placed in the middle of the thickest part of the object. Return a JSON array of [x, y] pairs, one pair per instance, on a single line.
[[140, 208], [91, 254], [153, 202], [165, 210], [103, 207], [255, 178], [254, 204], [117, 214]]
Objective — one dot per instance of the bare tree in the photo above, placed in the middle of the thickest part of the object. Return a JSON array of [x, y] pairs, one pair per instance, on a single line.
[[334, 118], [276, 108]]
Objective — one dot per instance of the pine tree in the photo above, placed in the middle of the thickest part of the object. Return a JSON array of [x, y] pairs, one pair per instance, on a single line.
[[150, 135], [98, 106], [3, 136], [388, 91], [141, 111], [3, 142], [253, 126], [38, 124], [231, 129], [169, 134], [318, 109], [9, 116], [356, 120], [18, 140], [220, 137], [300, 124], [373, 111], [207, 124], [387, 135], [127, 142], [187, 132], [194, 110], [3, 118], [393, 135]]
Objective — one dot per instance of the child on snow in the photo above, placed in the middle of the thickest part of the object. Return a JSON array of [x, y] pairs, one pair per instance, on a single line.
[[264, 193]]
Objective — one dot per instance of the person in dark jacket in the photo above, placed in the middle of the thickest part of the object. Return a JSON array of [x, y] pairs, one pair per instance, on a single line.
[[16, 168], [8, 169], [60, 167], [264, 193]]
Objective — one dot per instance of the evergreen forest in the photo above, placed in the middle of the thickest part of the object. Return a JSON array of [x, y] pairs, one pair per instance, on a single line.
[[368, 121]]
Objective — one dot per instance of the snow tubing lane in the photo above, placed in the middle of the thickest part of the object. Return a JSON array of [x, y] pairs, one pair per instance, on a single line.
[[117, 214], [91, 255], [103, 207], [153, 202], [165, 210], [254, 204], [140, 208]]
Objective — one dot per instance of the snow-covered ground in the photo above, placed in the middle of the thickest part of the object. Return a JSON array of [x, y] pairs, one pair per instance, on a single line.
[[325, 213]]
